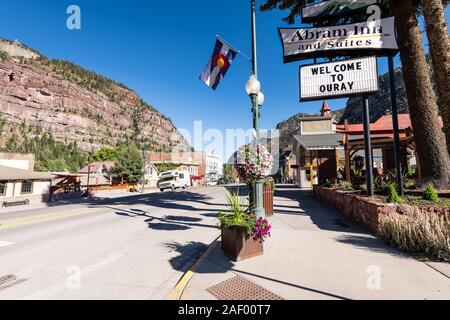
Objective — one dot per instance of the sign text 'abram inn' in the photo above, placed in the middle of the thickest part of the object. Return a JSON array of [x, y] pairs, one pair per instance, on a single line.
[[376, 37], [338, 79]]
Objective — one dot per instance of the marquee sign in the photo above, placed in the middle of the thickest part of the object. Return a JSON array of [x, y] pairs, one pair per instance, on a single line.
[[376, 37], [338, 79], [333, 8]]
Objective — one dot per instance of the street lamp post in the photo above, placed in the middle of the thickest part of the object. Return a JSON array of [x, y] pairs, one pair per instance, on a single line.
[[253, 89]]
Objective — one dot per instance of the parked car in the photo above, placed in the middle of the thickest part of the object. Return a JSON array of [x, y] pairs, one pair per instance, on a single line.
[[221, 182], [212, 183]]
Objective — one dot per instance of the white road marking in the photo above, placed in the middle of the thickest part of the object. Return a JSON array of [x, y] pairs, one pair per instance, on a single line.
[[5, 244]]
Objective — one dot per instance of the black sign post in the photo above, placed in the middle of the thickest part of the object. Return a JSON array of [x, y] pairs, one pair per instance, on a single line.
[[397, 148], [368, 146]]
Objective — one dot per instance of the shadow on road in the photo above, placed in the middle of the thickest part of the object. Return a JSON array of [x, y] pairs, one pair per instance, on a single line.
[[158, 199], [187, 253], [166, 223]]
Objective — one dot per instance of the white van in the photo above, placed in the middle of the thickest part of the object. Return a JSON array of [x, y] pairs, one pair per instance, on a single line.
[[174, 180]]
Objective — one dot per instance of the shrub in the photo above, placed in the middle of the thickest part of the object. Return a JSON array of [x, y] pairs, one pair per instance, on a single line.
[[409, 171], [392, 195], [418, 233], [344, 185], [328, 184], [4, 56], [363, 187], [431, 194]]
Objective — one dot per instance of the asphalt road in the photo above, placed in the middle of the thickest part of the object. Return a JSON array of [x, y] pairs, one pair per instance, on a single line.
[[134, 247]]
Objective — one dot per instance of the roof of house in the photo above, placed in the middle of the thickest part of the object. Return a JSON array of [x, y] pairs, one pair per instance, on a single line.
[[320, 141], [9, 173], [95, 166], [383, 124]]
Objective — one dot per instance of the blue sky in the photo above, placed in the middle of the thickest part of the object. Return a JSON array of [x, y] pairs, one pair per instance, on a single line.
[[159, 50]]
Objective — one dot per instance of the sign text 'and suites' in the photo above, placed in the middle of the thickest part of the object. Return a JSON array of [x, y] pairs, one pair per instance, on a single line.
[[375, 37], [338, 79]]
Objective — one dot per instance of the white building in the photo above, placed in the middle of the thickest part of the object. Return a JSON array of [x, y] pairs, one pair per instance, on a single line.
[[214, 168], [151, 175], [18, 181]]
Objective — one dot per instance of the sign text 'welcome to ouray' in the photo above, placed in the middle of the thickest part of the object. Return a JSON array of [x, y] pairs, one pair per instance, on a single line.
[[338, 79]]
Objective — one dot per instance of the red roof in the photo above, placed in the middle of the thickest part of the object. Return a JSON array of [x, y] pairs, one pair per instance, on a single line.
[[325, 111], [383, 124]]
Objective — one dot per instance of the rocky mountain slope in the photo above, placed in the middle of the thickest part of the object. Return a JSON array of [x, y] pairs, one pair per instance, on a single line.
[[380, 104], [74, 105]]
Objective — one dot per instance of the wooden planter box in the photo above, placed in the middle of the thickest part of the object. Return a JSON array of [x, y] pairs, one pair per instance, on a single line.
[[267, 199], [237, 246]]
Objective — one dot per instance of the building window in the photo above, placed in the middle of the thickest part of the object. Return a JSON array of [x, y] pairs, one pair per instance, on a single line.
[[2, 188], [27, 187]]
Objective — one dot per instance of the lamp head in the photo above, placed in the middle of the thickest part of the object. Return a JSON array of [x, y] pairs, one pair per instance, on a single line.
[[253, 86], [261, 98]]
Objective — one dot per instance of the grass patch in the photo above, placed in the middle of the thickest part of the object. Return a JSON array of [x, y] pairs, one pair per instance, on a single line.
[[418, 234]]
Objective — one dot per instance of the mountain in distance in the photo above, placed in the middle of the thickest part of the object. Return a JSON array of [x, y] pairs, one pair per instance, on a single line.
[[74, 105]]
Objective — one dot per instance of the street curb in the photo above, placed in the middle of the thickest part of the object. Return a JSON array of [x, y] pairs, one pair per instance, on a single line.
[[177, 292]]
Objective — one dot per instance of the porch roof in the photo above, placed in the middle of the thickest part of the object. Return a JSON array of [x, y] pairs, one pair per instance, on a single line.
[[9, 173], [320, 141]]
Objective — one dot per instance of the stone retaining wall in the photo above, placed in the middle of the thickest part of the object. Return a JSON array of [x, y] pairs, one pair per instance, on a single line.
[[369, 212]]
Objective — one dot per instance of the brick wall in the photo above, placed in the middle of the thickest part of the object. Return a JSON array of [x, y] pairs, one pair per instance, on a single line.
[[369, 212]]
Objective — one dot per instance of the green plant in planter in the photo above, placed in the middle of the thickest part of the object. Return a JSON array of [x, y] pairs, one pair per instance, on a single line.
[[344, 185], [393, 196], [431, 194], [239, 216]]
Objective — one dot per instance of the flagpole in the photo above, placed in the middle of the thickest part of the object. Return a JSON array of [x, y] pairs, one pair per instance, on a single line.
[[238, 51]]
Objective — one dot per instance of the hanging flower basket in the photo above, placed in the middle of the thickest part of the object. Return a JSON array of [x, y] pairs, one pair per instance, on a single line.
[[253, 163]]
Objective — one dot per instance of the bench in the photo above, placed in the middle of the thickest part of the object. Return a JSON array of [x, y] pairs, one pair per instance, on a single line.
[[15, 203]]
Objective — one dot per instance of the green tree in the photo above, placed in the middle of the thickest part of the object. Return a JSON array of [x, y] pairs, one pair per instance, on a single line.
[[129, 164], [105, 154], [433, 156], [229, 172]]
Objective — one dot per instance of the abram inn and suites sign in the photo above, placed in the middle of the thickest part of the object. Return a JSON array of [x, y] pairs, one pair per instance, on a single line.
[[375, 37], [338, 79]]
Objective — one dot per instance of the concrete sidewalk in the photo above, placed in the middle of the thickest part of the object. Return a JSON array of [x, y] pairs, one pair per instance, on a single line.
[[315, 253]]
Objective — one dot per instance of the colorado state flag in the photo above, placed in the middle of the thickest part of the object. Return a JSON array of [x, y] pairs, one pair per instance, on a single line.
[[219, 64]]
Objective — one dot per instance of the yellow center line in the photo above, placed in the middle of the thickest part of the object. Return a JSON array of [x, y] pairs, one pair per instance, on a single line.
[[11, 224]]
